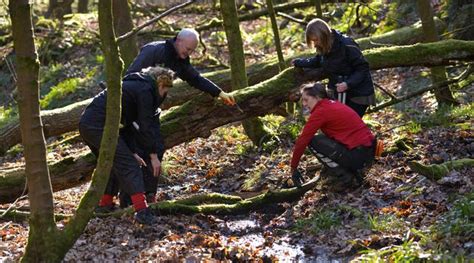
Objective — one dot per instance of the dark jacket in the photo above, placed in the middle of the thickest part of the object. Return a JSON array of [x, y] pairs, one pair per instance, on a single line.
[[344, 62], [163, 53], [140, 102]]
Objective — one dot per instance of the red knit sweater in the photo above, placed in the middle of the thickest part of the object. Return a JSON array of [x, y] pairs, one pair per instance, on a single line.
[[338, 122]]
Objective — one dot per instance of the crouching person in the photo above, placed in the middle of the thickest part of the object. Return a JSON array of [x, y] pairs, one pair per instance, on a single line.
[[346, 145], [142, 94]]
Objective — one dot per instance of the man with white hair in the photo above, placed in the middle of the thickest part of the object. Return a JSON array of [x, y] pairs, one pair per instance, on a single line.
[[174, 54]]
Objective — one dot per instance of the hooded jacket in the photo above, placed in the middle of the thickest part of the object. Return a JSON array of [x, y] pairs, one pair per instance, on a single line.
[[140, 104], [344, 62]]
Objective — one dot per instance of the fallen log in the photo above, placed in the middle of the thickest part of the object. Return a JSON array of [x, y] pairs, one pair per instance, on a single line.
[[197, 117], [59, 121], [213, 203]]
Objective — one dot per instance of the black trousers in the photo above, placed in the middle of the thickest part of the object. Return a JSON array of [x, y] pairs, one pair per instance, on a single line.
[[126, 174], [359, 108], [333, 154]]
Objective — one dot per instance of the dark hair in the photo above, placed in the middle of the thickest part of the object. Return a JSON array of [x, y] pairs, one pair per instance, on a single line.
[[314, 90]]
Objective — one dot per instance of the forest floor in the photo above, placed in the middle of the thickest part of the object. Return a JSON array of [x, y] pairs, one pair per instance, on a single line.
[[396, 211]]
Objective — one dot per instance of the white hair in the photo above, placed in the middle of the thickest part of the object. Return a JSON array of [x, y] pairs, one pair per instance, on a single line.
[[188, 33]]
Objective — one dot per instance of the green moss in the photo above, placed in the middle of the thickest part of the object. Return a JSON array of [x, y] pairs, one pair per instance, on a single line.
[[438, 171], [59, 92]]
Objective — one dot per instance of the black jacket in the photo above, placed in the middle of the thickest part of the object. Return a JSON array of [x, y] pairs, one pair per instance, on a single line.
[[344, 62], [163, 53], [140, 103]]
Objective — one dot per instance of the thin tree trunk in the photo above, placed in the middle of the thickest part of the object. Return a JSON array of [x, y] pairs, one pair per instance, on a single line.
[[123, 23], [189, 121], [276, 34], [438, 74], [113, 71], [57, 9], [319, 10], [254, 127], [83, 6], [61, 120], [43, 229]]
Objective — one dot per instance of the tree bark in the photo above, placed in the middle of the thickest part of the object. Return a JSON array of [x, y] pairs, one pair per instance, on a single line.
[[196, 118], [83, 6], [438, 74], [42, 226], [57, 9], [122, 24], [276, 34], [113, 71], [254, 127], [443, 53]]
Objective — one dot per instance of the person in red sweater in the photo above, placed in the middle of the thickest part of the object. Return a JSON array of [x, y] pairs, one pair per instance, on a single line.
[[346, 145]]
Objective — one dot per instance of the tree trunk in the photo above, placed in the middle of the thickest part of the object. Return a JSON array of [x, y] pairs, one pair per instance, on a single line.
[[42, 226], [319, 10], [83, 6], [442, 53], [264, 11], [192, 119], [438, 74], [402, 36], [113, 72], [58, 8], [123, 23], [276, 34], [254, 127]]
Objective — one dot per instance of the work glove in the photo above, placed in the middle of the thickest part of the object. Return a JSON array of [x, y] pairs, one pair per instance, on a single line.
[[297, 178], [227, 98]]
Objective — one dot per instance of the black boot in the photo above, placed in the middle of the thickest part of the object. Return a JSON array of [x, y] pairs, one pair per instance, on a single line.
[[145, 217]]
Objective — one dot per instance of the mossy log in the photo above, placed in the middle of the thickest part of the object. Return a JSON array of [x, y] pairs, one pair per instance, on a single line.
[[212, 203], [197, 117], [71, 171], [59, 121], [438, 171]]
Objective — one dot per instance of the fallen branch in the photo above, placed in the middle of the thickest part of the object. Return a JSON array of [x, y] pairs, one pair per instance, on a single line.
[[438, 171], [213, 203], [153, 20], [463, 76]]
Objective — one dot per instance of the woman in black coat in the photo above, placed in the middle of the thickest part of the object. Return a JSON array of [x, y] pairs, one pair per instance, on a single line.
[[341, 59]]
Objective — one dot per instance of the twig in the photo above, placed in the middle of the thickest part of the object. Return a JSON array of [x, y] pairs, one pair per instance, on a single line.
[[385, 91], [151, 21], [462, 76], [11, 68], [291, 18], [14, 203]]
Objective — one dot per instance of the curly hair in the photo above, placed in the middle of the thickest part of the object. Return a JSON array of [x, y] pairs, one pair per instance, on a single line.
[[160, 74]]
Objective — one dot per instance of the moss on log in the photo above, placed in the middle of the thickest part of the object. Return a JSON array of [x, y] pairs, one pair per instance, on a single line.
[[59, 121], [438, 171], [212, 203], [197, 117]]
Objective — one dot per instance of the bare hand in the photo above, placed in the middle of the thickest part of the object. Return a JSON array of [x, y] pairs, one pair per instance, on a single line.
[[227, 98], [155, 164], [341, 87], [139, 159]]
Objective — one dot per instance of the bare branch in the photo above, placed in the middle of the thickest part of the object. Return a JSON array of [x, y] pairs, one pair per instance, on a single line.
[[153, 20]]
